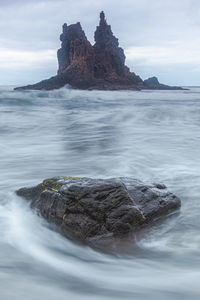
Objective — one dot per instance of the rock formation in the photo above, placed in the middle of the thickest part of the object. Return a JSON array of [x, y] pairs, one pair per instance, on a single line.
[[84, 66], [85, 209], [154, 84]]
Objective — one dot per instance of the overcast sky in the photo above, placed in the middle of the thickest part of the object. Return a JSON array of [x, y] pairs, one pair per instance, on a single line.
[[160, 37]]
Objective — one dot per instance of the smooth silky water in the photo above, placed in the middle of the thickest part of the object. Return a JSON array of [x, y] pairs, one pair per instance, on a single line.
[[150, 135]]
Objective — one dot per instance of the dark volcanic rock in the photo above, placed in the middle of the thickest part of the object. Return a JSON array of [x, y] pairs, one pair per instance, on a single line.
[[85, 208], [153, 83], [76, 57], [84, 66], [109, 64]]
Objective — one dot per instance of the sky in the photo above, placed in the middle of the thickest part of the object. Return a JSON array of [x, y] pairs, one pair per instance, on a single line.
[[160, 37]]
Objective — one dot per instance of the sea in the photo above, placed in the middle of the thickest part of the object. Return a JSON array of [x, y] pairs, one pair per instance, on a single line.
[[149, 135]]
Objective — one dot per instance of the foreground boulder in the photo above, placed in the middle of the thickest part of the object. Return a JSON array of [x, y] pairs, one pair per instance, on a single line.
[[83, 66], [85, 208]]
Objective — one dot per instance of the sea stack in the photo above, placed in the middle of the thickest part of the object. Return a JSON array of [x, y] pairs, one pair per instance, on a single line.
[[101, 66]]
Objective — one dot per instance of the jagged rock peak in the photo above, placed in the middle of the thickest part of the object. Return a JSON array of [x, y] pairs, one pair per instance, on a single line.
[[102, 19], [109, 57], [103, 35], [72, 31], [74, 46]]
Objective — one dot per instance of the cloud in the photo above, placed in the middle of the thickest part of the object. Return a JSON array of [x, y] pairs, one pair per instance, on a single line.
[[25, 59], [164, 56]]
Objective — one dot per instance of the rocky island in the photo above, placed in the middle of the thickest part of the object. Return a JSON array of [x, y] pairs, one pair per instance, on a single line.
[[101, 66], [86, 209]]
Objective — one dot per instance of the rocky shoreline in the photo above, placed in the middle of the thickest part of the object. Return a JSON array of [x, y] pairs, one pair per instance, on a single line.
[[101, 66], [86, 209]]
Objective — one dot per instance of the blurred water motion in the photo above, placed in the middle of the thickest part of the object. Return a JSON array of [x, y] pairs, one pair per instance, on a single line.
[[150, 135]]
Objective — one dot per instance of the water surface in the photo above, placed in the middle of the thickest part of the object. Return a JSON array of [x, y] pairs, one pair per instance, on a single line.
[[150, 135]]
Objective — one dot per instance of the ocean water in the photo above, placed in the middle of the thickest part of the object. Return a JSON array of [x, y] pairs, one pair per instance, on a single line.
[[149, 135]]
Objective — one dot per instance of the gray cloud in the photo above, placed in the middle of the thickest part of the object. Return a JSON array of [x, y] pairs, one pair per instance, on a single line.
[[160, 37]]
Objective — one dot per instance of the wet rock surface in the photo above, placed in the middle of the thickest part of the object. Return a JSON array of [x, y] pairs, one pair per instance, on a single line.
[[85, 209], [101, 66]]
